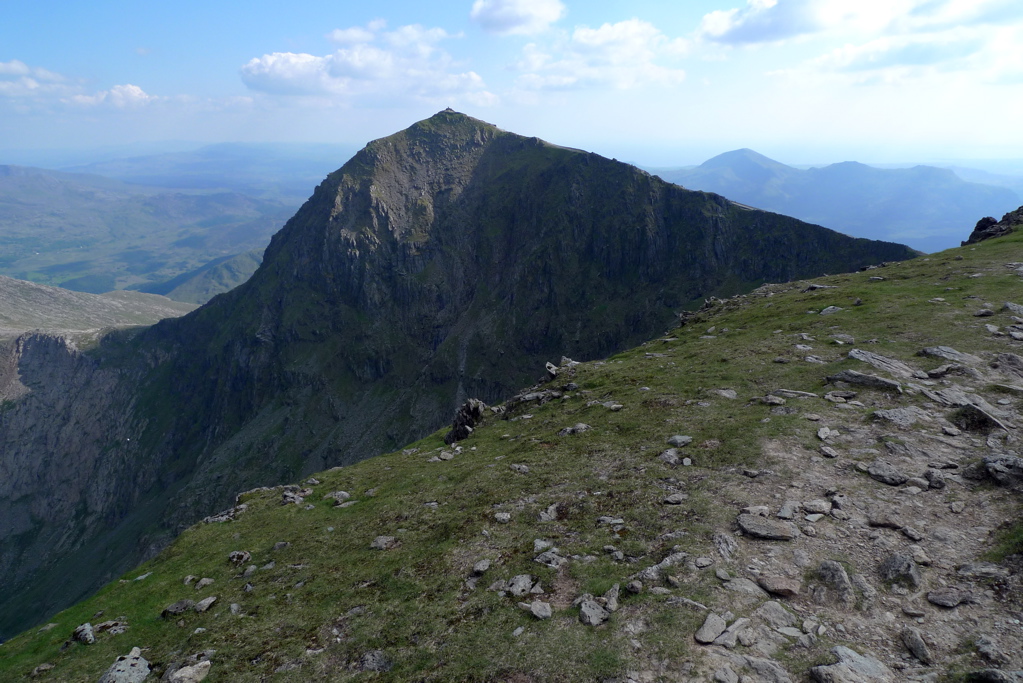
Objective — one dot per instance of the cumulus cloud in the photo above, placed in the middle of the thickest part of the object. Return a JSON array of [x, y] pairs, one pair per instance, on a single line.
[[624, 55], [516, 17], [761, 21], [19, 80], [31, 86], [371, 62], [902, 52], [120, 96]]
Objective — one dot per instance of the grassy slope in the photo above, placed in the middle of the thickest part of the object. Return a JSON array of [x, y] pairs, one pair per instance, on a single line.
[[330, 590]]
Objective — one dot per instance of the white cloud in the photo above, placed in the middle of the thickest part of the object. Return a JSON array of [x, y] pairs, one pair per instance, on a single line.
[[19, 80], [516, 17], [372, 64], [120, 96], [624, 55], [769, 21]]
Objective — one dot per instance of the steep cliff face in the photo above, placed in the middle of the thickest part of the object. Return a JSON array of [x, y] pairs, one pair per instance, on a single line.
[[448, 260]]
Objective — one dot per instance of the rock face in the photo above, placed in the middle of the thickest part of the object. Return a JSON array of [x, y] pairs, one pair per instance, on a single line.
[[446, 261], [988, 227]]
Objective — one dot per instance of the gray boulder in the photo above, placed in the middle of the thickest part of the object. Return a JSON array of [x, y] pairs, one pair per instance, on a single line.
[[713, 626], [592, 614], [177, 608], [375, 660], [900, 569], [84, 634], [852, 667], [881, 471], [129, 668], [769, 529]]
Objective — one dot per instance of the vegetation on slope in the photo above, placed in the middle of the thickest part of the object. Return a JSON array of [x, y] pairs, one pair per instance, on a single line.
[[315, 608]]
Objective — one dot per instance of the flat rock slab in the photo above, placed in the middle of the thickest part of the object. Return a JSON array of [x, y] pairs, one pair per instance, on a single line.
[[179, 607], [852, 667], [713, 626], [881, 471], [863, 379], [768, 529], [129, 668]]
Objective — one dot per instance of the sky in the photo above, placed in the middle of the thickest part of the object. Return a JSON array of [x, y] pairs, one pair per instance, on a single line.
[[660, 83]]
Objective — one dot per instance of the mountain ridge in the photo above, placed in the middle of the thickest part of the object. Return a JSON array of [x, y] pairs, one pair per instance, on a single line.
[[442, 262], [923, 206]]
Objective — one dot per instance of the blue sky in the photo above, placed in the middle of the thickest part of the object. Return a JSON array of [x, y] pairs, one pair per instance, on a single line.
[[657, 83]]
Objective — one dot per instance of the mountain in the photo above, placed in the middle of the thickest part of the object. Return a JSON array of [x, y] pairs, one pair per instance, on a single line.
[[813, 481], [95, 234], [449, 260], [27, 306], [924, 207]]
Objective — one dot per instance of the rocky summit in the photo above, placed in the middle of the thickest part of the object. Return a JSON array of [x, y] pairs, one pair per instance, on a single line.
[[448, 261], [814, 481]]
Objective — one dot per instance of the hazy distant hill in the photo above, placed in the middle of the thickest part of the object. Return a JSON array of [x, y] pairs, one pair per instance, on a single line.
[[201, 285], [281, 172], [94, 234], [27, 306], [924, 207]]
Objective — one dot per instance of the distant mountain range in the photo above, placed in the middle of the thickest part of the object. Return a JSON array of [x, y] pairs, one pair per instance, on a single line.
[[925, 207], [95, 234], [277, 172]]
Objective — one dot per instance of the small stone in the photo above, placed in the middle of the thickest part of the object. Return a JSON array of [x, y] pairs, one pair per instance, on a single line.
[[761, 527], [670, 457], [84, 634], [239, 557], [520, 585], [206, 581], [817, 506], [703, 562], [789, 509], [914, 642], [375, 660], [481, 567], [177, 608], [676, 499], [384, 543], [281, 545], [191, 674], [881, 471], [779, 585], [205, 603], [592, 614], [948, 596], [900, 569], [634, 587], [957, 507], [713, 626], [680, 441], [828, 452], [502, 517], [540, 610], [521, 469]]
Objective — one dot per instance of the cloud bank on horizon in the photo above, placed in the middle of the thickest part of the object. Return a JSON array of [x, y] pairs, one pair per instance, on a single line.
[[892, 77]]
